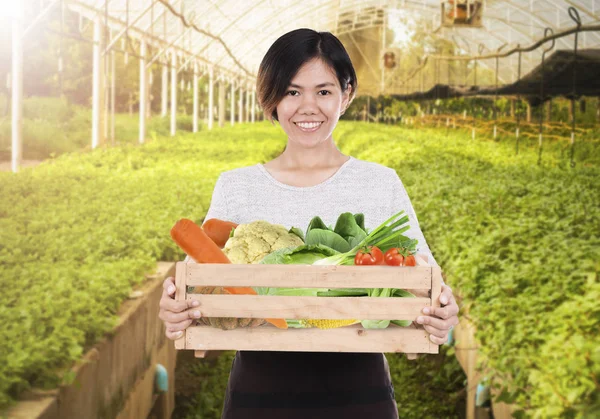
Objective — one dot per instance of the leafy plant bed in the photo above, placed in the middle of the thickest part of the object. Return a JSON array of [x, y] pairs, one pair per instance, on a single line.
[[115, 378]]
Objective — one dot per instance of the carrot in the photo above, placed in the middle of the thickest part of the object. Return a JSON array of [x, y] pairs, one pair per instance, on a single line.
[[196, 244], [218, 230]]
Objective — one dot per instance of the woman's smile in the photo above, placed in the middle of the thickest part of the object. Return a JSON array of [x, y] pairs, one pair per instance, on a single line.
[[308, 126]]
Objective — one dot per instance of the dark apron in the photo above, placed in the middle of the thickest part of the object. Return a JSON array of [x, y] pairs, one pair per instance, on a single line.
[[290, 385]]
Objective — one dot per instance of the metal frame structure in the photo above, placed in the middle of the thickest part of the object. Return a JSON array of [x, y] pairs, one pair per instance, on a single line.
[[225, 40]]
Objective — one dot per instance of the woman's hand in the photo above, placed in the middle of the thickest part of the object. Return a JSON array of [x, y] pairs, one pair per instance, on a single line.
[[177, 315], [440, 319]]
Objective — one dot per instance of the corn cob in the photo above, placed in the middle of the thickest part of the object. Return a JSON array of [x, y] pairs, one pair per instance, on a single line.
[[327, 323]]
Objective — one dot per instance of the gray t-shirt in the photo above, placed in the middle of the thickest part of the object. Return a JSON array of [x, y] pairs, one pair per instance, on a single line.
[[250, 193]]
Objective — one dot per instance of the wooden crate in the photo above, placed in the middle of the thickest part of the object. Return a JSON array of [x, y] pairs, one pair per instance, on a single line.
[[424, 281]]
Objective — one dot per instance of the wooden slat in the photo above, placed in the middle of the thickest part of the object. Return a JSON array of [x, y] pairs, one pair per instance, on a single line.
[[277, 307], [309, 276], [345, 339], [180, 295], [436, 290]]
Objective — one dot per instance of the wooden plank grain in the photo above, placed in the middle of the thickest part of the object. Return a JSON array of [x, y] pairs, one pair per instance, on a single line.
[[308, 276], [287, 307], [180, 295], [345, 339]]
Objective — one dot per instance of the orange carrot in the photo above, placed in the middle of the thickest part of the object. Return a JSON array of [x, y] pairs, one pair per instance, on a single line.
[[196, 244], [218, 230]]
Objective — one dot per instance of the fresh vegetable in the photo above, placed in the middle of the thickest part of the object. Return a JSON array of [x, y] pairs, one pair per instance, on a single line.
[[327, 323], [369, 255], [410, 260], [301, 255], [196, 244], [370, 292], [218, 230], [226, 323], [393, 257], [386, 236], [313, 292], [349, 230], [253, 241]]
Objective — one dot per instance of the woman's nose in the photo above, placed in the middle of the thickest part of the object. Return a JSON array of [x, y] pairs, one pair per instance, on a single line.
[[308, 104]]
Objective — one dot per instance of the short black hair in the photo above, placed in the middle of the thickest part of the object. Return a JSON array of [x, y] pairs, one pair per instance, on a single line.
[[288, 53]]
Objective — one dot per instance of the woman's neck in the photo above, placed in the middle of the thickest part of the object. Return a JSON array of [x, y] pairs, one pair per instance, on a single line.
[[297, 158]]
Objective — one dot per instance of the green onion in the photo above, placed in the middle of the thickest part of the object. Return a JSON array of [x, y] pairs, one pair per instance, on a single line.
[[384, 236]]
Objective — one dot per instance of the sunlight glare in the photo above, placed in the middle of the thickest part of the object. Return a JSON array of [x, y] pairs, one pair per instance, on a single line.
[[10, 9]]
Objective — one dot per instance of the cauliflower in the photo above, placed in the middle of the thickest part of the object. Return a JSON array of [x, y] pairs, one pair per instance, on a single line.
[[252, 242]]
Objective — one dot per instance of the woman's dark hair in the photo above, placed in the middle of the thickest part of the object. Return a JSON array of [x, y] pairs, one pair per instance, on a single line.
[[285, 57]]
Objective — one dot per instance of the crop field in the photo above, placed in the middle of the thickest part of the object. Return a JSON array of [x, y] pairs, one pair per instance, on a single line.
[[519, 244]]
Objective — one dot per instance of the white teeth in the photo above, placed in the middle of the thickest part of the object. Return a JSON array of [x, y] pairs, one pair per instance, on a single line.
[[309, 125]]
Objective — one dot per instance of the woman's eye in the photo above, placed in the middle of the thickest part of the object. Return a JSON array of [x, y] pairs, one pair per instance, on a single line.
[[326, 92], [291, 92]]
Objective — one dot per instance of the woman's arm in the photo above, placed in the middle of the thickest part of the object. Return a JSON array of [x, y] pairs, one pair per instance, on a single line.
[[400, 200]]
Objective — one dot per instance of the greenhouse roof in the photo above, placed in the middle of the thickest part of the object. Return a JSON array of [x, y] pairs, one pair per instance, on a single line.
[[234, 35]]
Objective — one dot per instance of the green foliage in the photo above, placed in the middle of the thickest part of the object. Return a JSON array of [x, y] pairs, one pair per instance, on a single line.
[[52, 127], [73, 242], [78, 232], [518, 242]]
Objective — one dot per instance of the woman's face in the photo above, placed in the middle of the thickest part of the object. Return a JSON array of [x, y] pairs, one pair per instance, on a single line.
[[312, 105]]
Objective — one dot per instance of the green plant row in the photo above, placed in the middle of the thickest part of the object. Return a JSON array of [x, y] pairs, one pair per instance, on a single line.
[[52, 126], [520, 243], [77, 232]]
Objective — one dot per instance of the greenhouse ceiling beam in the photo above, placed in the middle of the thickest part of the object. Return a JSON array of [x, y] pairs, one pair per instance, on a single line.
[[543, 22], [222, 31], [162, 51], [244, 35], [584, 10], [192, 25], [41, 16], [129, 26], [80, 6], [532, 47]]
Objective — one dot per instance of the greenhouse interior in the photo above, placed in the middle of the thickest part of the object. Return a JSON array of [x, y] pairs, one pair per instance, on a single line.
[[293, 133]]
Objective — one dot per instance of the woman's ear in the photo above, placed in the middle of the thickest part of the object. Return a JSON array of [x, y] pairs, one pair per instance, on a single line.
[[346, 99]]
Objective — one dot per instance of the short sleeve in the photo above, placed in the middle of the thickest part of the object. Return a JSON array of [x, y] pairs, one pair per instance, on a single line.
[[401, 201], [218, 205]]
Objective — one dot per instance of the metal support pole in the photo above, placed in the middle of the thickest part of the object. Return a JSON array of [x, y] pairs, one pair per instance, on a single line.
[[247, 105], [143, 91], [221, 103], [253, 105], [165, 91], [112, 96], [211, 94], [232, 103], [241, 106], [195, 117], [17, 88], [173, 94], [97, 80]]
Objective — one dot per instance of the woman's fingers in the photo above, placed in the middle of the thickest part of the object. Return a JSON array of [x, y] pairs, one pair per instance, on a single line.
[[169, 286], [180, 326], [176, 317], [440, 333]]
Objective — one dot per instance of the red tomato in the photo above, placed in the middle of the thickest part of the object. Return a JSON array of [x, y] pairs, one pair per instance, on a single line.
[[371, 255], [393, 257], [410, 261]]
